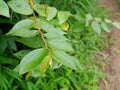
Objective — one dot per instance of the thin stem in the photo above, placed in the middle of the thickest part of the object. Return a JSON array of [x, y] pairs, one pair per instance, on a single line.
[[39, 30], [38, 26]]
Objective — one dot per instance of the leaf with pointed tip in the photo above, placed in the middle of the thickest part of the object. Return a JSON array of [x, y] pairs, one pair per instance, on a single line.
[[88, 18], [4, 10], [65, 59], [60, 45], [51, 12], [21, 53], [40, 9], [63, 16], [116, 24], [45, 64], [25, 33], [105, 27], [36, 71], [32, 59], [55, 35], [33, 42], [20, 6], [47, 27], [98, 19], [107, 20], [96, 27], [23, 24], [22, 29]]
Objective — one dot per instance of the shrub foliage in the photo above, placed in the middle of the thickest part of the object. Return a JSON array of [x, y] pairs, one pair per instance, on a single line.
[[48, 44]]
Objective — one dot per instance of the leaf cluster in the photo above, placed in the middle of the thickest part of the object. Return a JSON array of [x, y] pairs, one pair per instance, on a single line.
[[51, 39]]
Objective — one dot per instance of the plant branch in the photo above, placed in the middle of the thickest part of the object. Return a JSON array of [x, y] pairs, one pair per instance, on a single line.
[[38, 26]]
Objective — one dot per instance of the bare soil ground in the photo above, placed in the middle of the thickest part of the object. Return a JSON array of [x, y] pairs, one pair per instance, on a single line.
[[113, 69]]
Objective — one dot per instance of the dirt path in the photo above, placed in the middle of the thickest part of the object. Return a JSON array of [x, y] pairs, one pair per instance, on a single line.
[[113, 69]]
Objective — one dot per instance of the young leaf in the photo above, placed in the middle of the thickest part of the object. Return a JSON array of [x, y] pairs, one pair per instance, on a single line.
[[51, 12], [63, 16], [22, 29], [116, 24], [65, 59], [40, 9], [44, 64], [96, 27], [32, 59], [60, 45], [20, 6], [65, 26], [105, 27], [33, 42], [4, 10]]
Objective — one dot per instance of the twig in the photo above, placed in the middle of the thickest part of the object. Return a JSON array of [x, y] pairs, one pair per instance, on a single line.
[[38, 26]]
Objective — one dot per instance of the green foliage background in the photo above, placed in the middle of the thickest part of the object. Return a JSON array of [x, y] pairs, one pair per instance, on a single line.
[[85, 39]]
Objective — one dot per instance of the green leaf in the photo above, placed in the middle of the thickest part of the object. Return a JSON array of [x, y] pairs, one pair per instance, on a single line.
[[107, 20], [63, 16], [60, 45], [30, 85], [54, 22], [36, 71], [12, 44], [105, 27], [33, 42], [7, 60], [65, 26], [79, 17], [32, 59], [65, 59], [11, 73], [65, 88], [47, 27], [23, 24], [22, 29], [51, 12], [116, 24], [88, 18], [21, 54], [16, 69], [25, 33], [4, 10], [96, 27], [20, 6], [40, 9], [3, 44], [56, 65], [3, 82], [55, 35], [98, 19], [44, 64]]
